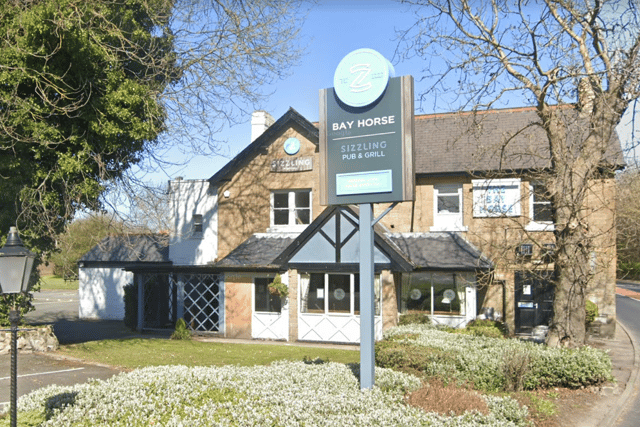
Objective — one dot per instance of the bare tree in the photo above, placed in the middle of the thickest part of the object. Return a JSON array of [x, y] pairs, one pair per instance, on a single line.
[[145, 208], [228, 53], [543, 53]]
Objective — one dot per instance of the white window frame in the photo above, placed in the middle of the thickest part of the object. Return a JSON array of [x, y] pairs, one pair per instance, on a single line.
[[448, 221], [463, 284], [291, 226], [377, 281], [534, 225]]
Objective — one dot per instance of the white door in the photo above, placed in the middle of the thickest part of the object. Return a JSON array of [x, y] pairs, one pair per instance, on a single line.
[[270, 313]]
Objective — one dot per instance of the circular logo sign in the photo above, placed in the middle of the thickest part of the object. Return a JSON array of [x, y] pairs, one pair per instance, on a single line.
[[292, 146], [362, 77], [449, 295]]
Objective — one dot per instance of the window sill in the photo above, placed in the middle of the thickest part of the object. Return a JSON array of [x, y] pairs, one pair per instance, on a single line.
[[445, 228], [287, 228], [539, 226]]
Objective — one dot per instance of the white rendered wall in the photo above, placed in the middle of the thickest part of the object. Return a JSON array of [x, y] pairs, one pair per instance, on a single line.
[[101, 292], [189, 198]]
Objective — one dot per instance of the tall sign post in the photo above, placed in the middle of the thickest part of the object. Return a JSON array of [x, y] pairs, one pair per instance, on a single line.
[[366, 157]]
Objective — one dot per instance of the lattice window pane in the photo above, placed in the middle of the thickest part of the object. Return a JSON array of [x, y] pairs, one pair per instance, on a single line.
[[202, 302]]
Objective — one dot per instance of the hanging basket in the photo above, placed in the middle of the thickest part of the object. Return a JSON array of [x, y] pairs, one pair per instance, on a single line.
[[278, 288]]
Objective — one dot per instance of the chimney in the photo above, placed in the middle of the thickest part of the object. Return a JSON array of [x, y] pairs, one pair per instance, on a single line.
[[260, 121]]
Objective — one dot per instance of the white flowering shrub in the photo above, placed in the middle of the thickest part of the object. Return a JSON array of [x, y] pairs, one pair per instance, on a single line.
[[283, 394], [483, 361]]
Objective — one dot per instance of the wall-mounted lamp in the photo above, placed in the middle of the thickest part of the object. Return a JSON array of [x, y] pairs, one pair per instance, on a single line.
[[226, 194]]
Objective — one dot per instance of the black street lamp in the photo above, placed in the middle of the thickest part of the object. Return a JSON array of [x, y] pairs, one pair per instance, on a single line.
[[16, 263]]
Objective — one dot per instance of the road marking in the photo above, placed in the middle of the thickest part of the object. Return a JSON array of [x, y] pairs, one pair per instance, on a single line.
[[54, 302], [43, 373]]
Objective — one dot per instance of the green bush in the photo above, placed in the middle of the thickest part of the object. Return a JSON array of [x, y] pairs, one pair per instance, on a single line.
[[490, 364], [181, 332], [592, 312], [417, 318], [408, 358], [628, 270], [131, 306], [487, 328]]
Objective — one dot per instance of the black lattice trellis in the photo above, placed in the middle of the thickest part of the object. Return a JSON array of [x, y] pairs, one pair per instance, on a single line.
[[156, 296]]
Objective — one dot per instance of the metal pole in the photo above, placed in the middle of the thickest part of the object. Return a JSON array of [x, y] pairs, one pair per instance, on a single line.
[[14, 318], [367, 329], [138, 278]]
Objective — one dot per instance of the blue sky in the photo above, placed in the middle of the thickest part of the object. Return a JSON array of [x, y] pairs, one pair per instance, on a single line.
[[333, 28]]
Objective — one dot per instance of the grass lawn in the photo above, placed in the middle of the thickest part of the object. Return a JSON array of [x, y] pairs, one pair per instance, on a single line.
[[54, 283], [142, 352]]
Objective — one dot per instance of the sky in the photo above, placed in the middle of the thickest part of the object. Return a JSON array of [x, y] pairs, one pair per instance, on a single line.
[[332, 29]]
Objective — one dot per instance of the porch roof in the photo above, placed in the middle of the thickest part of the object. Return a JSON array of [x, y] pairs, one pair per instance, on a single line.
[[128, 249], [257, 252], [331, 243], [440, 251]]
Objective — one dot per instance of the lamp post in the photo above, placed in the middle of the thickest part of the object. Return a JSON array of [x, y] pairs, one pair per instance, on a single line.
[[16, 263]]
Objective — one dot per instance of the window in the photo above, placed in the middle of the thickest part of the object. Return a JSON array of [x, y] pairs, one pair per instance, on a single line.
[[435, 293], [264, 301], [197, 224], [334, 293], [540, 211], [290, 209], [447, 208], [524, 251]]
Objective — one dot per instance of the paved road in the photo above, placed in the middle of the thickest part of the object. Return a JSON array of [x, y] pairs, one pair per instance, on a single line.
[[628, 312], [59, 308]]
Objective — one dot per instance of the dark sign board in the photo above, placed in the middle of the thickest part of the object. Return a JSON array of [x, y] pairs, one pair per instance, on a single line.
[[366, 153]]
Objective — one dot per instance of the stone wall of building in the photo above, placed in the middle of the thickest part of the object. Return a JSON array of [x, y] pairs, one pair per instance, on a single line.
[[247, 209]]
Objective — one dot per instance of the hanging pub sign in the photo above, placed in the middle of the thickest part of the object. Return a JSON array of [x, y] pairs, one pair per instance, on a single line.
[[366, 133]]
